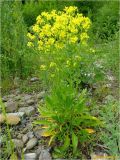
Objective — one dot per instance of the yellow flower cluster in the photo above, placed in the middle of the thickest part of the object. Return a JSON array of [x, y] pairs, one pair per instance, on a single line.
[[56, 28]]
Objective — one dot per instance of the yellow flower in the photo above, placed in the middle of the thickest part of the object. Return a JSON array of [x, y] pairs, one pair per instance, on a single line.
[[51, 41], [39, 20], [43, 67], [62, 34], [84, 36], [30, 36], [56, 28], [73, 39], [53, 13], [76, 21], [36, 28], [86, 23], [40, 43], [30, 44], [74, 30], [89, 130], [70, 9]]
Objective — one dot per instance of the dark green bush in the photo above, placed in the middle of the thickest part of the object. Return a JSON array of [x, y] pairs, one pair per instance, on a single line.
[[16, 58], [106, 20], [31, 9]]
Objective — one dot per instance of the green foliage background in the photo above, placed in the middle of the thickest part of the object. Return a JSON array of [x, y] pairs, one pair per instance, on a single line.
[[18, 16]]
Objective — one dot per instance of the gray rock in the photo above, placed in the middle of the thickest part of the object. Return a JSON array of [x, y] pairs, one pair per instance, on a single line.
[[38, 133], [25, 138], [27, 97], [1, 140], [30, 156], [18, 143], [11, 119], [11, 106], [17, 91], [30, 135], [4, 99], [40, 148], [19, 114], [30, 110], [29, 126], [20, 136], [18, 97], [30, 102], [31, 143], [41, 95], [22, 104], [27, 110], [45, 155], [34, 79], [11, 96]]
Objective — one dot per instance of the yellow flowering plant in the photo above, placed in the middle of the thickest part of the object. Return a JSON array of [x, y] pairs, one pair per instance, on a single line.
[[60, 38], [59, 44], [58, 28]]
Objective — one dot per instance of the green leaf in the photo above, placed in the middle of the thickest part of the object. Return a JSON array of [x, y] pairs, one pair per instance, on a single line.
[[66, 143], [74, 142], [45, 122]]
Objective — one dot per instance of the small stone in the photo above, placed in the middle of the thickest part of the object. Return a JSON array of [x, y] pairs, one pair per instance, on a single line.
[[30, 102], [11, 119], [24, 130], [17, 91], [20, 136], [19, 114], [27, 97], [18, 97], [27, 110], [34, 79], [25, 138], [30, 135], [45, 155], [30, 156], [11, 106], [41, 95], [18, 143], [4, 99], [31, 143], [29, 126], [30, 110], [22, 104], [38, 133], [99, 156], [1, 140], [38, 151]]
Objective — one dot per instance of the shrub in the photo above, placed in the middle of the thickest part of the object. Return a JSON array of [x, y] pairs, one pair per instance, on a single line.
[[31, 9], [16, 58], [66, 119], [106, 22]]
